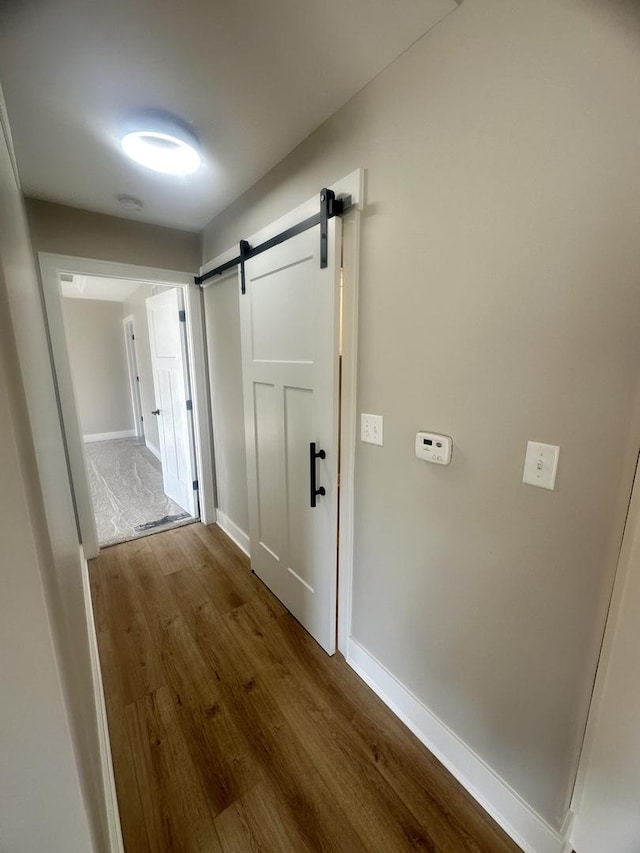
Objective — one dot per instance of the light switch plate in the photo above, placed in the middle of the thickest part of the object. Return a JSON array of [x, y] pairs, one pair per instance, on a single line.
[[371, 428], [541, 465]]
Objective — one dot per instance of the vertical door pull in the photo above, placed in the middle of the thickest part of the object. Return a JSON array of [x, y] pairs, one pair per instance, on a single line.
[[313, 491]]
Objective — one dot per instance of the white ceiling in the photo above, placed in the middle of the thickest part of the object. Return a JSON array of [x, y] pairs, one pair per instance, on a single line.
[[96, 287], [253, 78]]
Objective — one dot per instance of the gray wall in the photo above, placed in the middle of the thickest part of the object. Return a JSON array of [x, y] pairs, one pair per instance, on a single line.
[[50, 786], [69, 231], [136, 306], [499, 303], [95, 336], [222, 319]]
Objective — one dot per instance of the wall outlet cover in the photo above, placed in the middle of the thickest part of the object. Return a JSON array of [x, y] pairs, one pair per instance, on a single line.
[[541, 465], [371, 428]]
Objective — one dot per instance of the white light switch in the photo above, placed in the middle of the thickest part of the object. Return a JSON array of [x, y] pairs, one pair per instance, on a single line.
[[541, 465], [371, 428]]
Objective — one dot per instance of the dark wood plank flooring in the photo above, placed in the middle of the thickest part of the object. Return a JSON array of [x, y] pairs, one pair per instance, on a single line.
[[232, 731]]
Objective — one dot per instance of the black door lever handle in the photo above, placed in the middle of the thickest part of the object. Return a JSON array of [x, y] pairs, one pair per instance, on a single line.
[[155, 412], [313, 491]]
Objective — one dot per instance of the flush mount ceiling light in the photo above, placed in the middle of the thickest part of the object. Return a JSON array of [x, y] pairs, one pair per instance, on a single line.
[[161, 144]]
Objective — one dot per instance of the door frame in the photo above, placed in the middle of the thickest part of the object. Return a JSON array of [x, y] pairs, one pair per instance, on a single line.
[[51, 265], [609, 649], [132, 369], [353, 185]]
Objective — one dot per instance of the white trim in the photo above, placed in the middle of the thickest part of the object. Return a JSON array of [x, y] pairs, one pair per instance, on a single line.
[[54, 318], [234, 532], [115, 841], [50, 266], [155, 450], [109, 436], [202, 426], [354, 185], [209, 397], [8, 139], [505, 806], [624, 569], [567, 832], [131, 352]]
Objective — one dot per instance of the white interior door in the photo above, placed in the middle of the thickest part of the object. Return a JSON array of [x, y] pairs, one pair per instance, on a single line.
[[289, 323], [134, 377], [171, 385]]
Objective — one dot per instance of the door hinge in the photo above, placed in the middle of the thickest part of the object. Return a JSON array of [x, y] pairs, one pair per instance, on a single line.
[[182, 315], [189, 405], [195, 485], [141, 417], [133, 337], [137, 379]]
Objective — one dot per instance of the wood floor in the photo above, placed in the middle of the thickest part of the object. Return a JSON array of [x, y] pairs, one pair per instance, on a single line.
[[232, 731]]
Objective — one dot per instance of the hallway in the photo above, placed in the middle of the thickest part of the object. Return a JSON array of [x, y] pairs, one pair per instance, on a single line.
[[232, 731]]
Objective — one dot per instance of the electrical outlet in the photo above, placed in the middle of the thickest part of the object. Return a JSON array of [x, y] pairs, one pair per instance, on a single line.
[[371, 428]]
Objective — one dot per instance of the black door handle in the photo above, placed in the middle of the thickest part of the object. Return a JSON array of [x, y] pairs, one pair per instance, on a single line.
[[155, 412], [313, 491]]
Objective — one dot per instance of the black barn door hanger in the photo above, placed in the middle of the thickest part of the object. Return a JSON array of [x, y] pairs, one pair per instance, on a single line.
[[330, 206]]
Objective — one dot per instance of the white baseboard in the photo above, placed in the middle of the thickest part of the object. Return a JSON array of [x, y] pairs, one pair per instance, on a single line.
[[496, 797], [109, 436], [114, 841], [153, 449], [233, 532]]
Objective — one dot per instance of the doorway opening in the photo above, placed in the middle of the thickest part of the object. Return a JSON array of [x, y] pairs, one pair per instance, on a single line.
[[133, 396], [129, 364]]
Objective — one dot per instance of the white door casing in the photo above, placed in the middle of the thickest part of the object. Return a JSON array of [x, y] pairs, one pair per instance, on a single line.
[[134, 377], [290, 333], [171, 386]]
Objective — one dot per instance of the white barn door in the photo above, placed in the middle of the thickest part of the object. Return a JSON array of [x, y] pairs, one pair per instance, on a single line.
[[167, 340], [290, 338]]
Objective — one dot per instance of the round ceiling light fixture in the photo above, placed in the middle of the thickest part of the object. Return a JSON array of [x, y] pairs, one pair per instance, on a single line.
[[161, 144]]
